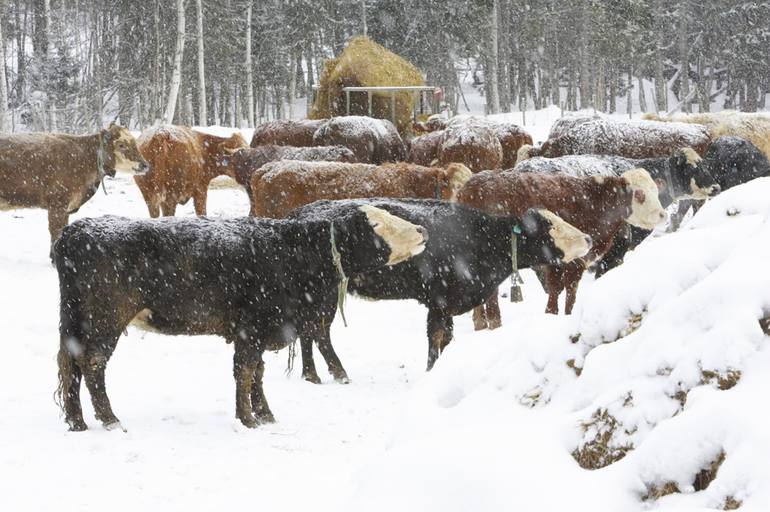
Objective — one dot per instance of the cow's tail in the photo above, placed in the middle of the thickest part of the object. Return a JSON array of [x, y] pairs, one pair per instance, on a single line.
[[70, 319]]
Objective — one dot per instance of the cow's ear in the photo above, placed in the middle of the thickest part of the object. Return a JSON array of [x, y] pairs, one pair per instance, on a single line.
[[661, 183], [639, 196]]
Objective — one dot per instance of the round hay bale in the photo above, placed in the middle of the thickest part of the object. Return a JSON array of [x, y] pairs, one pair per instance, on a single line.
[[365, 63], [472, 144]]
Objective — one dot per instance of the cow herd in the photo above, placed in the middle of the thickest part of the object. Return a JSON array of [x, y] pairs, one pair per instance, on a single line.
[[346, 204]]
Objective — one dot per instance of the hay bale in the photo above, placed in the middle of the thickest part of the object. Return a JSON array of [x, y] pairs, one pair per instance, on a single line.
[[365, 63]]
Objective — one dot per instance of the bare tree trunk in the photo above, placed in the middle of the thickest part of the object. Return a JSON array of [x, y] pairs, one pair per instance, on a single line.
[[4, 125], [249, 72], [292, 92], [642, 95], [503, 72], [202, 115], [490, 72], [684, 72], [364, 29], [176, 75]]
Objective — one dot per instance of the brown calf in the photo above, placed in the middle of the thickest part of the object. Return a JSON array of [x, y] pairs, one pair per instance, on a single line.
[[373, 141], [280, 187], [475, 144], [245, 162], [183, 162], [598, 206], [59, 172], [283, 132], [423, 150]]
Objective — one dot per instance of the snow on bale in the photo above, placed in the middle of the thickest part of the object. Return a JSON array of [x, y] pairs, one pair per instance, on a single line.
[[364, 63], [654, 394], [752, 126]]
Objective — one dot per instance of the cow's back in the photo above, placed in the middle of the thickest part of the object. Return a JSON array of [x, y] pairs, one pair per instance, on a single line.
[[42, 169]]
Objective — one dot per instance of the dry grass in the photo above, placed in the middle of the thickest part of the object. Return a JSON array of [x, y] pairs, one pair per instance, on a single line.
[[634, 323], [571, 364], [708, 474], [365, 63], [600, 451], [655, 493], [723, 380], [701, 482]]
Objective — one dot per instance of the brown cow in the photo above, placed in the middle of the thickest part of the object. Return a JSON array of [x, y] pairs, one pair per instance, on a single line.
[[373, 141], [59, 172], [183, 162], [283, 132], [512, 137], [598, 206], [280, 187], [629, 139], [245, 162], [423, 150], [473, 143]]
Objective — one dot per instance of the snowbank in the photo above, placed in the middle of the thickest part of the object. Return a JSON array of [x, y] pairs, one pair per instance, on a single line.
[[653, 395]]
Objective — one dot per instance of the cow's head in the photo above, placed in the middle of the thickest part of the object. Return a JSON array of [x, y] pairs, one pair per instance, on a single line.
[[555, 238], [223, 148], [121, 152], [370, 238], [689, 178], [645, 211], [342, 154], [452, 179]]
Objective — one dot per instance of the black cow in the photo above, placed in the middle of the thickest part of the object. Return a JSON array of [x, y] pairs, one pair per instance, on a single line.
[[729, 160], [468, 254], [255, 282], [732, 161]]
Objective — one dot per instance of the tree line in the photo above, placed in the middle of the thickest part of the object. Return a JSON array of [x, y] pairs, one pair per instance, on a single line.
[[72, 65]]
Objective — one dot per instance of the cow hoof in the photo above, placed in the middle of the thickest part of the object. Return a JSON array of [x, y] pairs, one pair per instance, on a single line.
[[115, 425], [311, 377], [479, 326], [77, 426], [495, 324], [249, 422], [342, 379], [266, 418]]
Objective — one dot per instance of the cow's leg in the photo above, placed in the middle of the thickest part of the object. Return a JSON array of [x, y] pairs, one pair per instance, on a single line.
[[571, 279], [57, 220], [168, 207], [480, 318], [199, 200], [492, 307], [309, 372], [151, 199], [553, 287], [245, 363], [440, 326], [681, 212], [69, 390], [258, 401], [94, 365], [330, 356]]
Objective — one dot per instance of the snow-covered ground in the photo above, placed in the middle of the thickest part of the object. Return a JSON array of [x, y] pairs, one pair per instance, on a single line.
[[493, 427]]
